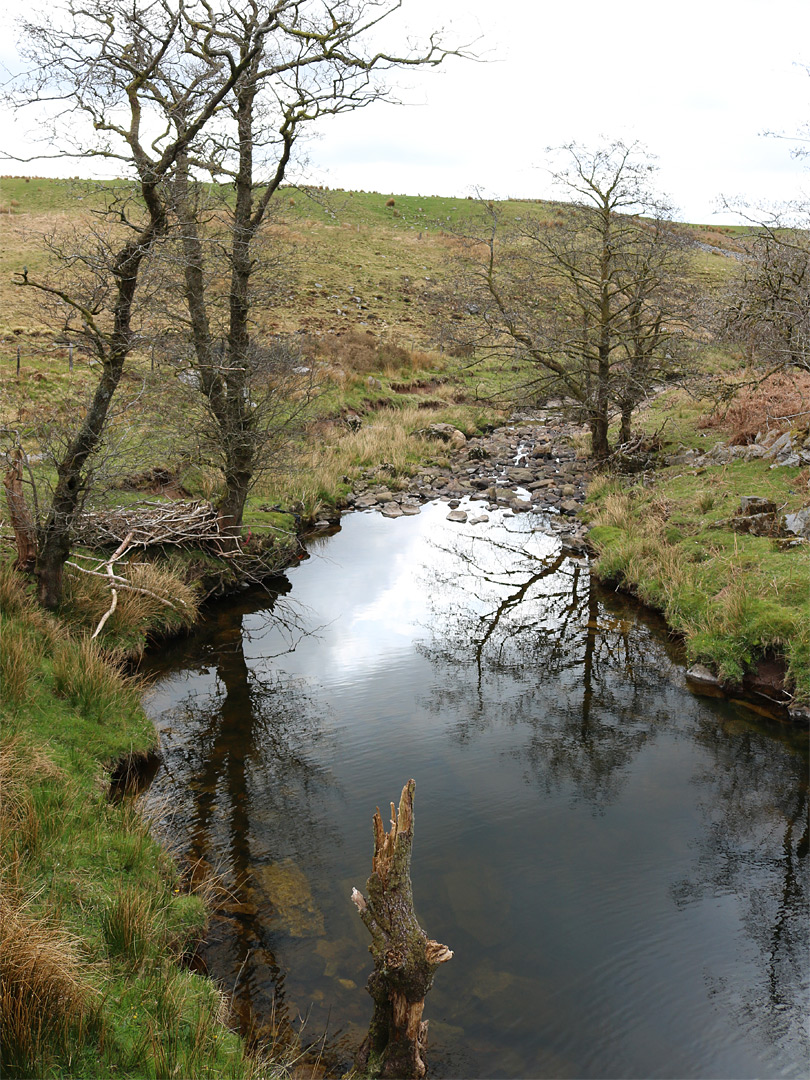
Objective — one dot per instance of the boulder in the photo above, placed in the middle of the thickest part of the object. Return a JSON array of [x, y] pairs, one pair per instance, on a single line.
[[700, 674], [755, 504], [798, 524], [444, 433]]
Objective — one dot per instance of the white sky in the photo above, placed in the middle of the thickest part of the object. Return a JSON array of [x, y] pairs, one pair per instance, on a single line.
[[697, 81]]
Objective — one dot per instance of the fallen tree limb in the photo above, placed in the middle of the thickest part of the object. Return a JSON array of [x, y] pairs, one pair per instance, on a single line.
[[154, 523], [122, 548]]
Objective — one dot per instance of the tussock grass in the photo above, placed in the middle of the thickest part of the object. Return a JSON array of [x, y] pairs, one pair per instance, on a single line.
[[47, 1003], [158, 602], [327, 465], [85, 677], [94, 914], [18, 662]]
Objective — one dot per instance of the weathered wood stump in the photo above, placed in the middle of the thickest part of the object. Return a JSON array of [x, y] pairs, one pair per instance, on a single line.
[[405, 959]]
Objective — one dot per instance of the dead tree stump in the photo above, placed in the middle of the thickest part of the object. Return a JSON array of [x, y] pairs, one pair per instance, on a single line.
[[405, 959]]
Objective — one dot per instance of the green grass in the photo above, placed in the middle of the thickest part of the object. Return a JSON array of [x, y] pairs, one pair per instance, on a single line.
[[735, 598], [95, 916]]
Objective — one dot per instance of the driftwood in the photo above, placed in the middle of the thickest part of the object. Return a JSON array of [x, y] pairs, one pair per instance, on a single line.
[[20, 515], [119, 552], [159, 523], [405, 959]]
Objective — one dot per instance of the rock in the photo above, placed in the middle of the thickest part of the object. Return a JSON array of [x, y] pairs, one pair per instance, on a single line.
[[457, 515], [755, 524], [480, 520], [800, 714], [289, 892], [520, 476], [698, 673], [753, 504], [392, 510], [445, 433], [782, 446], [384, 497], [798, 524], [791, 461], [569, 506], [410, 509]]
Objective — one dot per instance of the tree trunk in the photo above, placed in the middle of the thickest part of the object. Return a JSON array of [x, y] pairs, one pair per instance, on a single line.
[[21, 521], [600, 447], [405, 959], [626, 431]]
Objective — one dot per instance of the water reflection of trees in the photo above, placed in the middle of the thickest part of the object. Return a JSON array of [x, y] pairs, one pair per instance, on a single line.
[[755, 845], [512, 620], [533, 642], [244, 788]]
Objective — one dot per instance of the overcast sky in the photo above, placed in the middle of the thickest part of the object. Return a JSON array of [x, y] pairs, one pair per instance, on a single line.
[[697, 81]]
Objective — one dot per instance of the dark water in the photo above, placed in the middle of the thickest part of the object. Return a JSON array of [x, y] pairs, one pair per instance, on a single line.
[[619, 866]]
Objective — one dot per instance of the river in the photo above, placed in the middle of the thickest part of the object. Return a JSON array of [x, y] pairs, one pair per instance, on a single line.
[[619, 866]]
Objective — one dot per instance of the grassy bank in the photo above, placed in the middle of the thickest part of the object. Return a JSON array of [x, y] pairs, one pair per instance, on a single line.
[[668, 536], [95, 918]]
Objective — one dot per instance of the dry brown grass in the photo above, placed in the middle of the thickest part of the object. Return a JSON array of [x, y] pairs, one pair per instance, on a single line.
[[780, 402], [19, 662], [157, 598], [45, 999]]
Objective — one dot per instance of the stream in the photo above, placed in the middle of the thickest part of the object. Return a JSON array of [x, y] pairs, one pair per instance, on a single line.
[[619, 866]]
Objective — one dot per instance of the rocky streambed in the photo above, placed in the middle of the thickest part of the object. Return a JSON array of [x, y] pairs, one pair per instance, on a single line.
[[529, 465]]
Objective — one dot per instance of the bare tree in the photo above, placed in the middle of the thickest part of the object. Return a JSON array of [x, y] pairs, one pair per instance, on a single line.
[[593, 297], [320, 60], [766, 306], [137, 83], [101, 62]]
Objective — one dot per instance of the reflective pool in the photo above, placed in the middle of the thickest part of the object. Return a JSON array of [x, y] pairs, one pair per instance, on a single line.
[[620, 867]]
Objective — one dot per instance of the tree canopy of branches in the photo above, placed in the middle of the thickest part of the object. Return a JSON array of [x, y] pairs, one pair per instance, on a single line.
[[594, 297], [166, 90], [767, 305], [317, 62]]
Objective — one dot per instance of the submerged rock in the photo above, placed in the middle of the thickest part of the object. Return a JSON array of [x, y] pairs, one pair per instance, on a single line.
[[288, 890]]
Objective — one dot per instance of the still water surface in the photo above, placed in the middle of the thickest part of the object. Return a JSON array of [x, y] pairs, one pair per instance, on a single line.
[[620, 867]]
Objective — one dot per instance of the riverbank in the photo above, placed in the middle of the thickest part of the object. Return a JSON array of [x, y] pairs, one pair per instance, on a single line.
[[97, 920]]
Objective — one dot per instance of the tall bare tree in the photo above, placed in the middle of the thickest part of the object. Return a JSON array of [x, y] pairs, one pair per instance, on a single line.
[[322, 59], [100, 63], [161, 88], [766, 305], [592, 296]]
